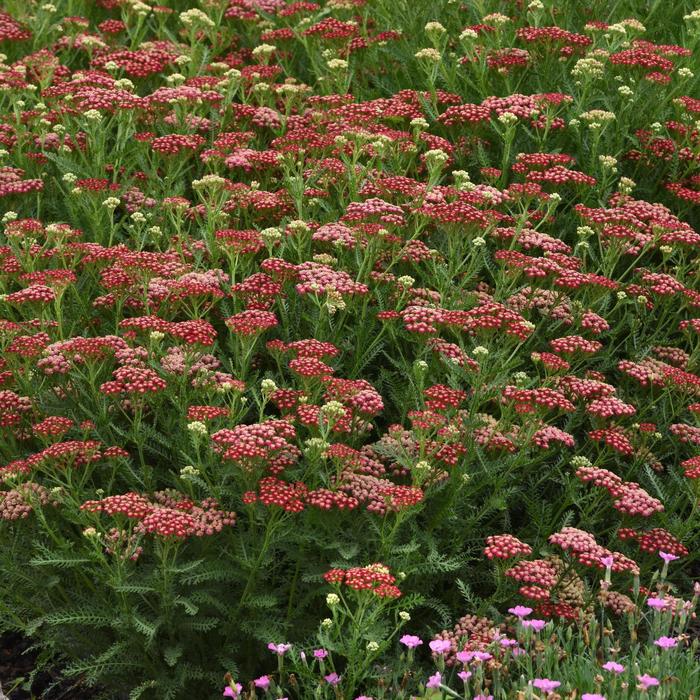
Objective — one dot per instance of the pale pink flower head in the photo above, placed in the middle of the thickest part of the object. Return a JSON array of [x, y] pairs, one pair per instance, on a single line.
[[545, 684], [608, 561], [666, 642], [234, 692], [411, 641], [537, 625], [613, 667], [320, 653], [466, 657], [434, 681], [668, 558], [520, 611], [464, 676], [440, 646], [657, 603], [592, 696], [279, 649], [332, 678], [263, 682], [647, 681]]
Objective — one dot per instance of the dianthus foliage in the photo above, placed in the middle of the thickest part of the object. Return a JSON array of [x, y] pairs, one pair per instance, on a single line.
[[351, 348]]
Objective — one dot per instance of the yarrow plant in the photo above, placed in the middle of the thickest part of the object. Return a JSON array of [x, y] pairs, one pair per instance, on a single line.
[[351, 349]]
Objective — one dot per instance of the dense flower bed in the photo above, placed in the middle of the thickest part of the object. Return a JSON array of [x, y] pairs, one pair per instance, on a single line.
[[351, 348]]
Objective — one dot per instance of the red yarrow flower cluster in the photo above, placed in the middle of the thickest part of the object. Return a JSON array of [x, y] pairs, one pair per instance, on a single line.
[[505, 547], [375, 578]]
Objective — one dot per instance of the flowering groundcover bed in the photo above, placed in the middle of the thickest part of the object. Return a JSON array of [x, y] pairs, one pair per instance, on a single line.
[[351, 348]]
